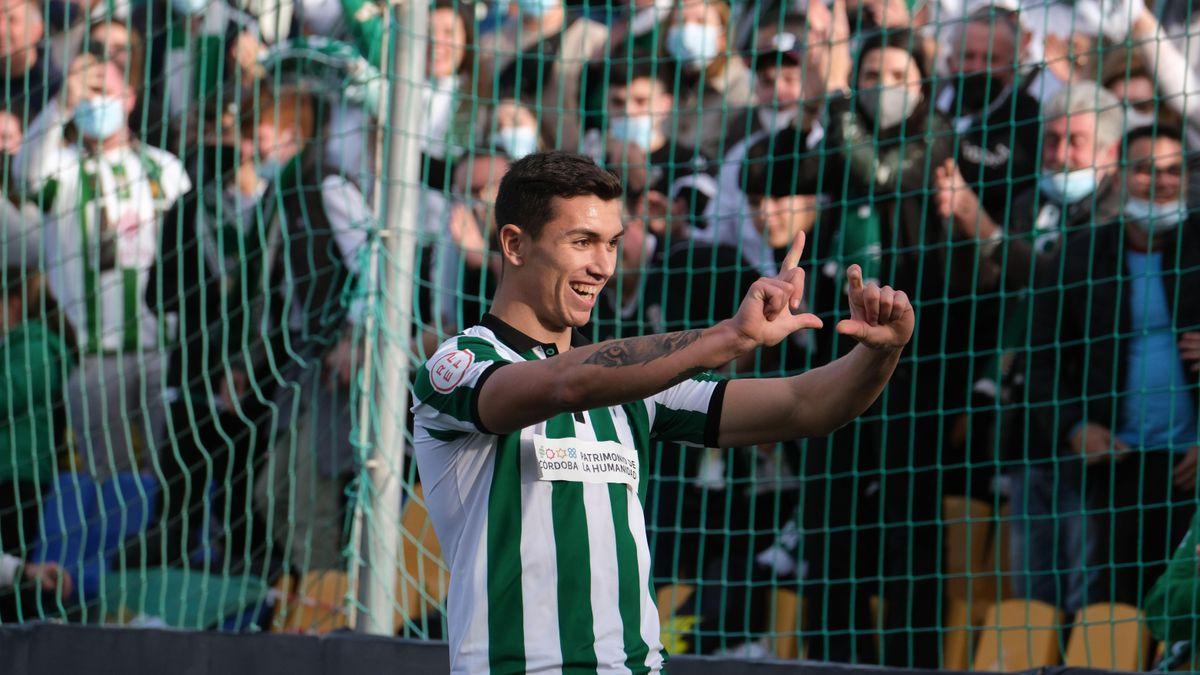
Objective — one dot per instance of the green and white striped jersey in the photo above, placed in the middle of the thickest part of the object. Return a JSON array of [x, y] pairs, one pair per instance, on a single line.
[[543, 528], [103, 220]]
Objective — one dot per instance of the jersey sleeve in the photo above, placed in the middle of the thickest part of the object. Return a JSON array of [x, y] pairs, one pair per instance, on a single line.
[[446, 389], [689, 412]]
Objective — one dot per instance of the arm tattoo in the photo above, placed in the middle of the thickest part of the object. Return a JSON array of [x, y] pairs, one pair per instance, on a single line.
[[642, 350]]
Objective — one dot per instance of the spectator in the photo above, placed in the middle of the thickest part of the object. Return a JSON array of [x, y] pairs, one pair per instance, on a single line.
[[194, 48], [540, 54], [998, 124], [1124, 73], [1112, 393], [780, 104], [45, 584], [621, 309], [275, 289], [448, 96], [640, 109], [1077, 191], [31, 78], [35, 363], [104, 193], [513, 128], [468, 268], [713, 82]]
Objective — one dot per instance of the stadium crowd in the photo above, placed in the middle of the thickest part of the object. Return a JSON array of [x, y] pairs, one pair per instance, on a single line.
[[191, 197]]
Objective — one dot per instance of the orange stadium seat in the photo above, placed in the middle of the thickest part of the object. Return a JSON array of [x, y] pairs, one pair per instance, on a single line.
[[1110, 636], [970, 581], [1019, 635]]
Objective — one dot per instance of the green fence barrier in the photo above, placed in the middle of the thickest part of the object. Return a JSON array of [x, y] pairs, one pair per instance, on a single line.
[[233, 231]]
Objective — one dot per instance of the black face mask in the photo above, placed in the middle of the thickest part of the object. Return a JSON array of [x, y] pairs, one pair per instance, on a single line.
[[977, 91]]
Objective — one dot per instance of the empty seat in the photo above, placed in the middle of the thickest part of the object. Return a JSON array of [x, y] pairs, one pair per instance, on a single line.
[[1019, 635], [970, 578], [316, 606], [786, 623], [1111, 636]]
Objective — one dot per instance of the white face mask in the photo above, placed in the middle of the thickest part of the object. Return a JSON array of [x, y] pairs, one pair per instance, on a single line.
[[773, 119], [889, 106], [1068, 187], [189, 7], [1154, 218], [695, 44], [517, 142], [636, 129], [99, 117]]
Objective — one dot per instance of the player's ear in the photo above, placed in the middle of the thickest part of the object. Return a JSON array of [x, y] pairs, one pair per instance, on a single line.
[[511, 245]]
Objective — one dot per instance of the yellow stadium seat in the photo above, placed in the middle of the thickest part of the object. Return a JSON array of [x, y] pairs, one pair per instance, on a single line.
[[1110, 636], [317, 606], [786, 623], [1019, 635], [970, 580]]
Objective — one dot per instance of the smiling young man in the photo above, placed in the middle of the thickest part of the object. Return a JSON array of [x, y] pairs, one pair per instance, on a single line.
[[532, 443]]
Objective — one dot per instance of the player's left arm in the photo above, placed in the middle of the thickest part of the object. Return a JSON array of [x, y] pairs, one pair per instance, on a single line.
[[817, 402]]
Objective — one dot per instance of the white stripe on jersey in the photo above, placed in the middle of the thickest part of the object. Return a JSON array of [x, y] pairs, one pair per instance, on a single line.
[[650, 629], [539, 594], [469, 647], [602, 546]]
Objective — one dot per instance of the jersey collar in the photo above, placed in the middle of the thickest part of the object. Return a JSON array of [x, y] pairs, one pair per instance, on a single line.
[[521, 342]]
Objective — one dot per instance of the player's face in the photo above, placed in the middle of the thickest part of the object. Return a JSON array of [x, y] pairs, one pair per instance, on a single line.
[[573, 258]]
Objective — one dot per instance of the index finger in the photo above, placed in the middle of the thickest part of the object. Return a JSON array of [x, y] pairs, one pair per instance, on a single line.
[[793, 256]]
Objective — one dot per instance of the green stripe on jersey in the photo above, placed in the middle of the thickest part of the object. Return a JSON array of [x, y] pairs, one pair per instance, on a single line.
[[506, 625], [683, 426], [573, 555], [629, 589]]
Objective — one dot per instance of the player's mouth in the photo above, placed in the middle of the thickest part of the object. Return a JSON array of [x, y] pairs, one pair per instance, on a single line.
[[587, 292]]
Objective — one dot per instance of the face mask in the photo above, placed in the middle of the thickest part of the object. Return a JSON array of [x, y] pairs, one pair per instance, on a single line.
[[1068, 187], [189, 7], [100, 117], [693, 43], [638, 129], [776, 120], [889, 106], [537, 8], [517, 141], [1155, 218]]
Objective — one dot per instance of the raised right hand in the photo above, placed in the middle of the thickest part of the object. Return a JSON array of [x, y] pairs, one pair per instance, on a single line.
[[765, 316], [85, 79]]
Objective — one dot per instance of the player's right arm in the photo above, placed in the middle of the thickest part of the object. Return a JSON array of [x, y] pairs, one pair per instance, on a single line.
[[618, 371]]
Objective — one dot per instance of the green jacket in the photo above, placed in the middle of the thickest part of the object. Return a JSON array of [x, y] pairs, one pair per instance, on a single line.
[[33, 369], [1172, 606]]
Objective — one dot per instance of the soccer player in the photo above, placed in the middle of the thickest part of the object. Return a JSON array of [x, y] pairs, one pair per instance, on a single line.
[[532, 443]]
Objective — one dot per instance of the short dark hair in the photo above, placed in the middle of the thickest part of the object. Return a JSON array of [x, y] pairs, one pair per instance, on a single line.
[[527, 191], [1153, 132], [640, 66], [779, 165]]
